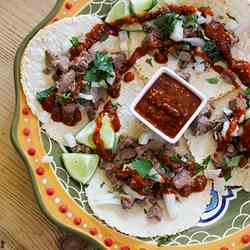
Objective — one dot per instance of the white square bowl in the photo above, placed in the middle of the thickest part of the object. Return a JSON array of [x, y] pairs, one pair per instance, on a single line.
[[172, 74]]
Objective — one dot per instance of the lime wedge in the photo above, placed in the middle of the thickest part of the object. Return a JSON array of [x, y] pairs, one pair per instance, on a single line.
[[81, 167], [118, 11], [85, 136], [140, 6], [107, 133]]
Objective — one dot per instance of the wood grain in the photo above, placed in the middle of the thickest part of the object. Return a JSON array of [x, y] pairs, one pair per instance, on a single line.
[[22, 224]]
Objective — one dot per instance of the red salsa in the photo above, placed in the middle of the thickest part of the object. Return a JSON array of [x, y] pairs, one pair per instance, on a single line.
[[168, 105]]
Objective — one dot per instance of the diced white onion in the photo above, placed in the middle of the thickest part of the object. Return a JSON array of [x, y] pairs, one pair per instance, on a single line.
[[177, 34], [232, 25], [147, 136], [86, 97], [247, 116], [199, 67], [227, 111], [219, 184], [70, 140], [44, 117], [123, 36], [195, 41], [225, 128], [132, 193], [212, 173], [171, 205], [155, 176], [209, 19], [47, 159], [110, 80], [202, 19]]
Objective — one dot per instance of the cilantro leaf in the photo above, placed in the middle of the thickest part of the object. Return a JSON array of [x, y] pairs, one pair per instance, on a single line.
[[212, 51], [42, 95], [233, 162], [116, 105], [100, 69], [63, 98], [206, 161], [149, 61], [190, 21], [142, 166], [167, 23], [213, 80], [227, 175], [185, 46], [247, 92], [74, 40], [175, 158]]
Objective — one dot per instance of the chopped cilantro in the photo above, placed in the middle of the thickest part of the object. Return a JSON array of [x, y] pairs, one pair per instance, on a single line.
[[74, 40], [63, 97], [206, 161], [142, 166], [221, 17], [185, 46], [233, 162], [190, 21], [167, 23], [116, 105], [175, 158], [227, 175], [149, 61], [247, 92], [100, 69], [213, 80], [40, 96], [212, 51]]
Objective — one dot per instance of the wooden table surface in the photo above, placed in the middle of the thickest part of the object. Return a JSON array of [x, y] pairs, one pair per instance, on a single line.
[[22, 225]]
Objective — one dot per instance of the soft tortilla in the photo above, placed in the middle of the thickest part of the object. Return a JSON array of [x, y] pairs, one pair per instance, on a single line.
[[56, 38], [205, 145], [134, 221]]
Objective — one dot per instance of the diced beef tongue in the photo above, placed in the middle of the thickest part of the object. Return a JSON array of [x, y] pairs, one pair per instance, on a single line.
[[237, 103], [100, 95], [127, 201], [125, 142], [182, 179], [218, 159], [91, 109], [119, 60], [71, 114], [80, 63], [55, 62], [154, 212], [202, 124], [153, 40], [66, 80], [184, 59], [127, 154]]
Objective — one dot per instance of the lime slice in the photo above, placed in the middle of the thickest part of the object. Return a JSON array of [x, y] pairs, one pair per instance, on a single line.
[[81, 167], [133, 28], [85, 136], [118, 11], [140, 6], [107, 133]]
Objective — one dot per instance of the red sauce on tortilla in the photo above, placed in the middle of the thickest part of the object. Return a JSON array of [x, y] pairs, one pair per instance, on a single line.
[[245, 136], [129, 76], [168, 105]]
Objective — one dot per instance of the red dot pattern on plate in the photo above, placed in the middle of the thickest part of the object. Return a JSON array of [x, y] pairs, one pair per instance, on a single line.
[[31, 151], [245, 238], [50, 191], [125, 248], [224, 248], [77, 221], [40, 171], [63, 209], [68, 5], [26, 111], [108, 242], [93, 231], [26, 131]]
